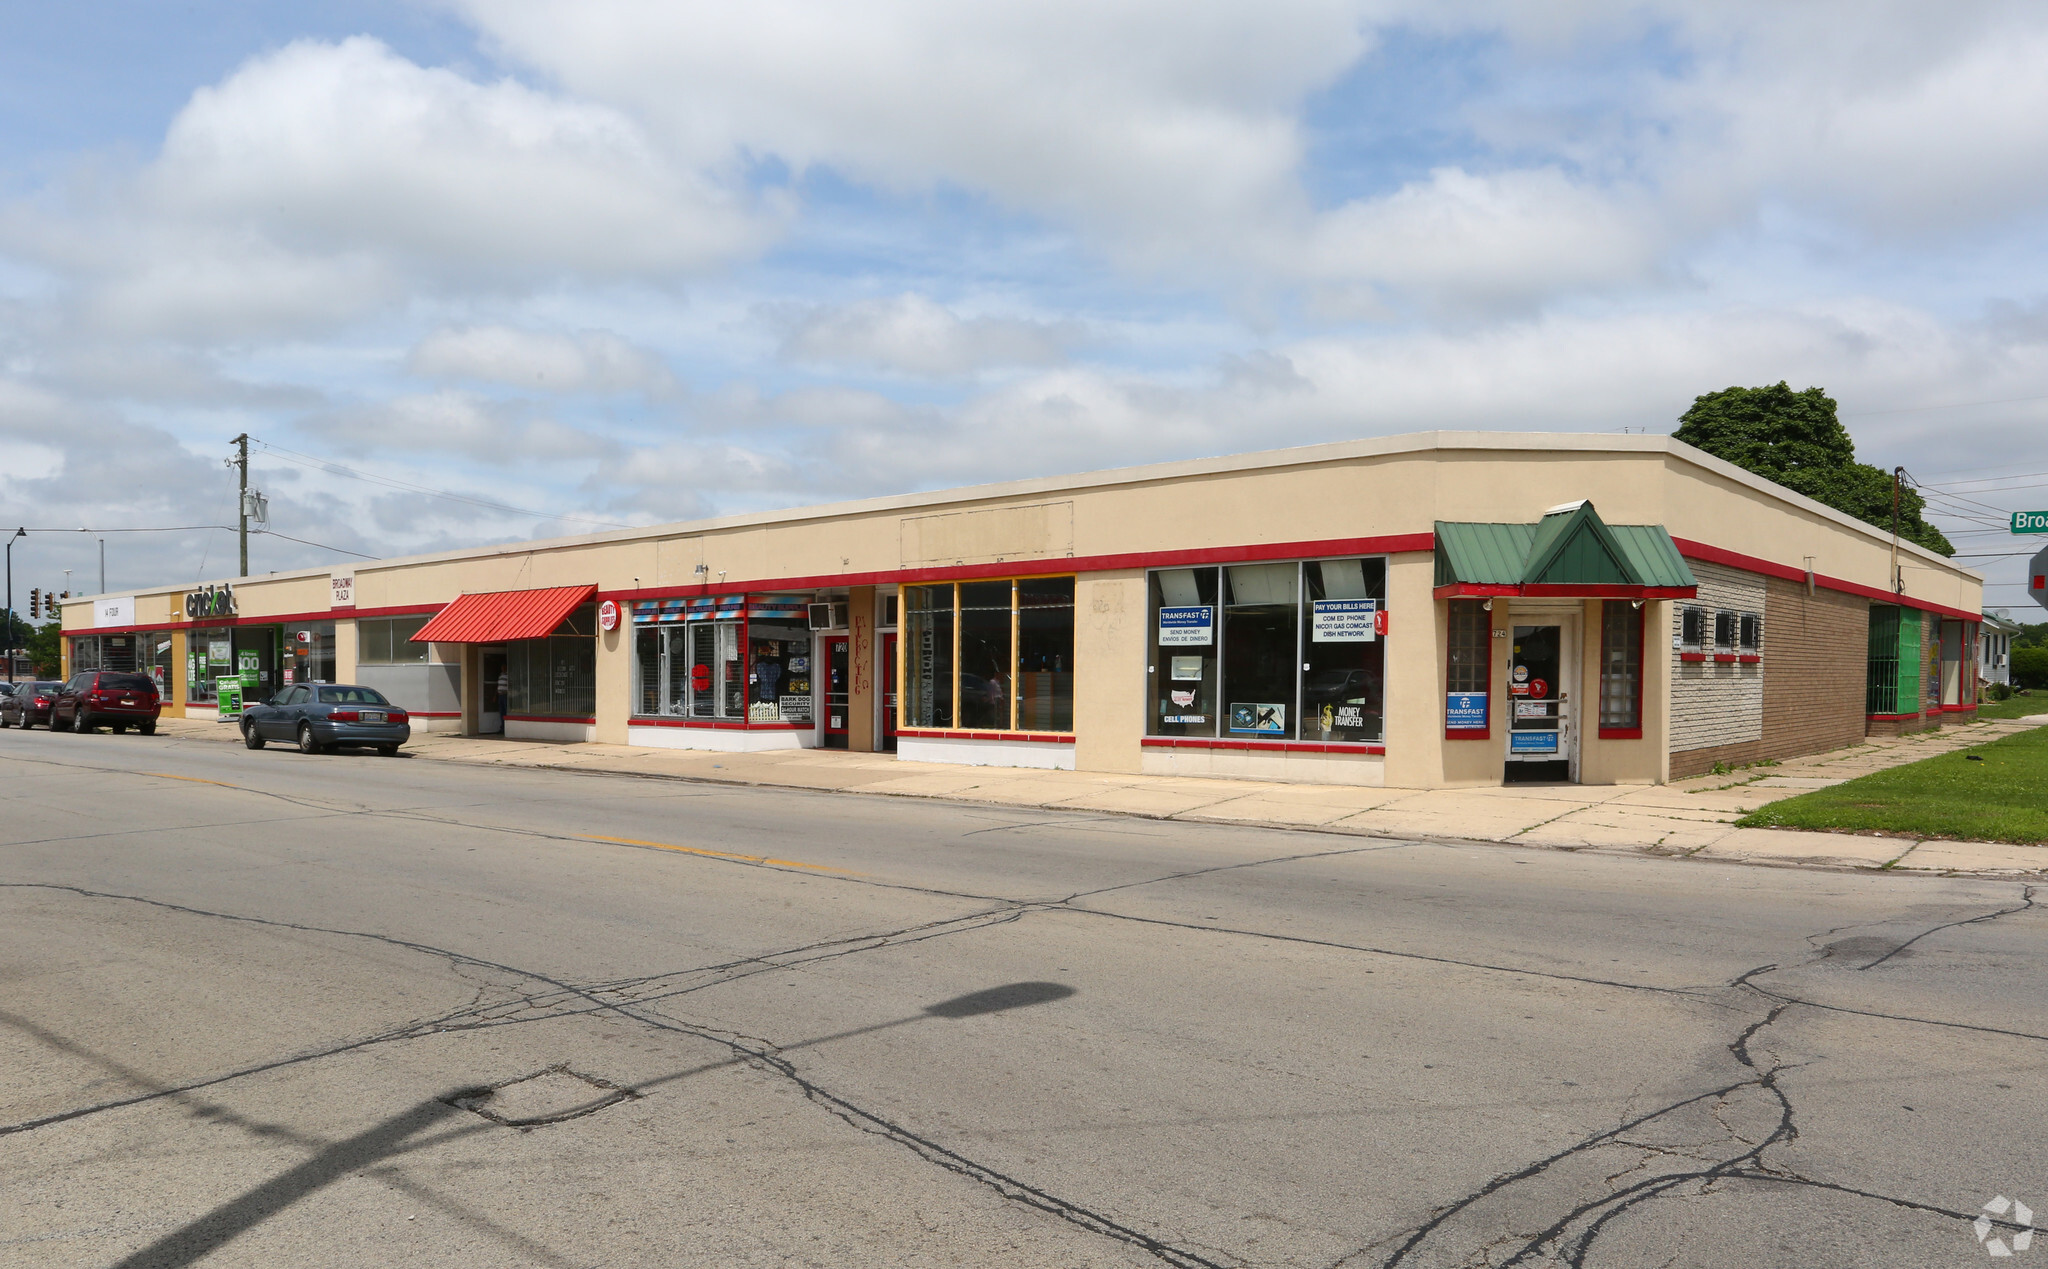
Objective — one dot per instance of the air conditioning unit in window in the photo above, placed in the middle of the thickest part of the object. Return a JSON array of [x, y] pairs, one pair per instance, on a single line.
[[821, 616]]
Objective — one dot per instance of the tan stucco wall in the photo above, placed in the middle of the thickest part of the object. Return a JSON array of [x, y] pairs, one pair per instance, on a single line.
[[1111, 628], [614, 684]]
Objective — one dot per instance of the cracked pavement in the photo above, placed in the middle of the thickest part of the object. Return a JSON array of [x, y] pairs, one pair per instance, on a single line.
[[246, 997]]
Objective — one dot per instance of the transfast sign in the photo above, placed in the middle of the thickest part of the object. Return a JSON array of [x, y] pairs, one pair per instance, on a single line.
[[2030, 522]]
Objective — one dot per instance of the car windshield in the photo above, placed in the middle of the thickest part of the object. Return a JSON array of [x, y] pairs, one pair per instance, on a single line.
[[127, 683], [351, 696], [54, 685]]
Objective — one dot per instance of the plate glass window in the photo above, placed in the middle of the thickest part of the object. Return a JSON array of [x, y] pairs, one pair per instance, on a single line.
[[1621, 665]]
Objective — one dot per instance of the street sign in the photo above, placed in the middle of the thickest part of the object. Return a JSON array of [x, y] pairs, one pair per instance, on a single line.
[[2030, 522], [2037, 577]]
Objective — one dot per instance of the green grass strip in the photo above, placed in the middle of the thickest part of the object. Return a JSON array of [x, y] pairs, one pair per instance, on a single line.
[[2014, 706], [1991, 793]]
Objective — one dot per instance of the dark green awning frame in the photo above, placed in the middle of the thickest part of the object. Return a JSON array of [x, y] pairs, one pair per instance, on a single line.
[[1570, 552]]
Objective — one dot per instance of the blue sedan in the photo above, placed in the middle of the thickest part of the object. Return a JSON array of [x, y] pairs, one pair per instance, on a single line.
[[324, 716]]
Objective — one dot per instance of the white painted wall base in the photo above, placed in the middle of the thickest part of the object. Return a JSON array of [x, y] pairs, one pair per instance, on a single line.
[[203, 713], [574, 733], [1368, 770], [720, 739], [437, 726], [987, 753]]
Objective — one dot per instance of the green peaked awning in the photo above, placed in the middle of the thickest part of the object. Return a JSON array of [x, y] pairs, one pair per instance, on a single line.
[[1571, 550]]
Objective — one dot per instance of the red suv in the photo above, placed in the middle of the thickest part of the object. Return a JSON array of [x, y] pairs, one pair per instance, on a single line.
[[117, 699]]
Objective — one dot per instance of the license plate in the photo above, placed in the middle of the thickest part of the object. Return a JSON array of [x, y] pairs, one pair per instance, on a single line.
[[373, 715], [127, 702]]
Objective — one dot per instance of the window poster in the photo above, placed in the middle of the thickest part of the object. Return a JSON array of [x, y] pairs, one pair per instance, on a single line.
[[1185, 627], [796, 709], [1262, 718], [1187, 669], [1465, 709], [1532, 742], [1343, 620]]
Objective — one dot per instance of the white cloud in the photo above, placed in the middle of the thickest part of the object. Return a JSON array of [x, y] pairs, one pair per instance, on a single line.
[[591, 361], [914, 336], [459, 423]]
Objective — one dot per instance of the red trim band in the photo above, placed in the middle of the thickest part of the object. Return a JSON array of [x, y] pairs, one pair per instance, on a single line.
[[1386, 544], [1532, 590], [1891, 718], [1749, 659], [1354, 747], [420, 713], [549, 718], [1621, 733], [1692, 656], [1728, 657], [1468, 733], [1735, 559], [714, 724], [1051, 738]]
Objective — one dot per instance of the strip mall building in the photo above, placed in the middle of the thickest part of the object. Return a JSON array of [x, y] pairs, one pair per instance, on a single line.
[[1424, 610]]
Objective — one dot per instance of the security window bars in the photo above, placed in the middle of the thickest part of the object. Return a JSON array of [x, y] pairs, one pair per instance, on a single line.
[[1751, 634], [1724, 631], [1692, 628]]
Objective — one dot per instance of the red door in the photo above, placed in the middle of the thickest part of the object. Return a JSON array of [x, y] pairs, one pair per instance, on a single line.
[[835, 692], [888, 693]]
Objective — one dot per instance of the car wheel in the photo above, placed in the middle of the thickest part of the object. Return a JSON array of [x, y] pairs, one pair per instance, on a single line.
[[250, 737], [147, 729], [81, 723], [119, 729], [389, 751], [306, 742]]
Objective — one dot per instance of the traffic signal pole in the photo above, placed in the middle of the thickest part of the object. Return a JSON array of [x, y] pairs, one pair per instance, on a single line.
[[11, 640]]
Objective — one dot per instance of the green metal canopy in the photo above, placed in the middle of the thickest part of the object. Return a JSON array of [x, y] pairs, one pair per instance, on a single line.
[[1570, 551]]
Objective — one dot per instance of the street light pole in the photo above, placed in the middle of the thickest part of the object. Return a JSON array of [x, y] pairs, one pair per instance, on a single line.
[[103, 561], [11, 640]]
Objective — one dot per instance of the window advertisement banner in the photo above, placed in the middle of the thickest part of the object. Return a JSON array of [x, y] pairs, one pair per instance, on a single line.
[[1187, 627], [1532, 742], [1258, 718], [1344, 620], [1464, 710]]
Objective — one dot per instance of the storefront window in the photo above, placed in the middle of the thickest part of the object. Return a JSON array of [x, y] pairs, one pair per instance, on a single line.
[[1259, 637], [1045, 654], [985, 655], [555, 677], [158, 650], [928, 656], [309, 653], [1186, 673], [1468, 680], [778, 673], [388, 640], [1343, 683], [1621, 666], [990, 655], [209, 654], [1275, 651]]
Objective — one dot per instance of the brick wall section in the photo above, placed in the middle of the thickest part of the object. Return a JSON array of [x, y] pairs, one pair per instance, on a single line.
[[1816, 662], [1717, 705]]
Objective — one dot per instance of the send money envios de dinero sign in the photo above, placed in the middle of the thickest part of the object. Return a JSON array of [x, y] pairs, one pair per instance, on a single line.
[[2030, 522]]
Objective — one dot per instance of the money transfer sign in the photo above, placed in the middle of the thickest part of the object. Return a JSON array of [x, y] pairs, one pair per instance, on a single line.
[[1191, 626]]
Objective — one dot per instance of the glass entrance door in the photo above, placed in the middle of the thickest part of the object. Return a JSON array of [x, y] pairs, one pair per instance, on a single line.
[[1540, 732], [889, 693], [836, 698], [493, 677]]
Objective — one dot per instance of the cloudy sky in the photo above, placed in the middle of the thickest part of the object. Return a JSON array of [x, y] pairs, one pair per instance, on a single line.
[[616, 262]]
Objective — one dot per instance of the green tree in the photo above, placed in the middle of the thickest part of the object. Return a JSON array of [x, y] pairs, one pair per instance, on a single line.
[[1795, 439], [44, 646]]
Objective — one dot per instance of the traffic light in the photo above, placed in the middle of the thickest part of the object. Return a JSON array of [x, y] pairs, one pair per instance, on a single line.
[[35, 603]]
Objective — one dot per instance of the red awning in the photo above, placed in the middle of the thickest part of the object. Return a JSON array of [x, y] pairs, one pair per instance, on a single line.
[[503, 615]]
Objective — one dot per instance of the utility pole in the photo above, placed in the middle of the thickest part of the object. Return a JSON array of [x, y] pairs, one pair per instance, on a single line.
[[1898, 582], [241, 463]]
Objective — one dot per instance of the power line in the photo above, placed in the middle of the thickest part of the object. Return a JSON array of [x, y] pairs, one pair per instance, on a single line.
[[391, 482], [321, 545]]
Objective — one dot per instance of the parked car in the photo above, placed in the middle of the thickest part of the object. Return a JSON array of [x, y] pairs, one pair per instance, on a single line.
[[119, 699], [29, 704], [322, 716]]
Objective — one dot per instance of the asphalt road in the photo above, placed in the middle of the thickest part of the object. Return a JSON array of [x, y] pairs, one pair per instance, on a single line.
[[265, 1009]]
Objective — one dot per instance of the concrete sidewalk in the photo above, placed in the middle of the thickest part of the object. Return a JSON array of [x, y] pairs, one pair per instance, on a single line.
[[1689, 818]]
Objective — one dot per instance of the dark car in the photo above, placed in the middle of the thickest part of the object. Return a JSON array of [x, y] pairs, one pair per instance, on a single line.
[[116, 698], [322, 716], [29, 704]]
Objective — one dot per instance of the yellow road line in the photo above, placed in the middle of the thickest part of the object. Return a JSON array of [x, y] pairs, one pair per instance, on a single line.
[[165, 775], [716, 854]]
